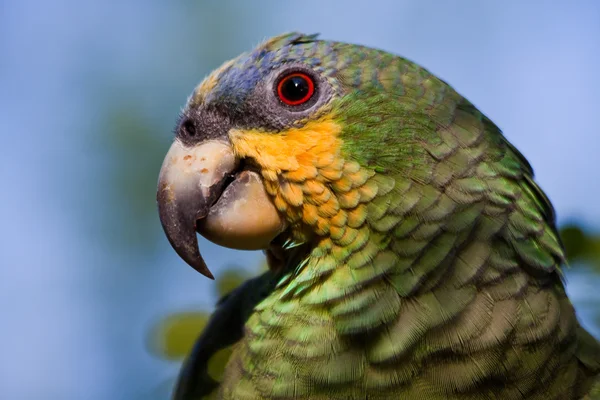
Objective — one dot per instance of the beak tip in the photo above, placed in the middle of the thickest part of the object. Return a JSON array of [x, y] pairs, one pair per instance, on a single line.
[[209, 275], [189, 252], [200, 266]]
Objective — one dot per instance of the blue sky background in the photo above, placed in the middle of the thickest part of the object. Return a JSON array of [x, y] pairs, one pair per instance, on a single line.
[[89, 94]]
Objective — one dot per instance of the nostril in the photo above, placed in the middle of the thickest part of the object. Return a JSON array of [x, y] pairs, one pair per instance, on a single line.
[[188, 128]]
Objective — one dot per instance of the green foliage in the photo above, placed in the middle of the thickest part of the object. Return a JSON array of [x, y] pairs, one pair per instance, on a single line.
[[138, 148], [174, 335], [229, 279], [581, 245]]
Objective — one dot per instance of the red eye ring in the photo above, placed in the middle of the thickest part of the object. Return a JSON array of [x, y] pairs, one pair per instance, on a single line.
[[295, 89]]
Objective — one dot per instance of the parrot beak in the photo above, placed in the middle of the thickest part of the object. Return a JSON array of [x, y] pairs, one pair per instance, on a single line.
[[202, 188]]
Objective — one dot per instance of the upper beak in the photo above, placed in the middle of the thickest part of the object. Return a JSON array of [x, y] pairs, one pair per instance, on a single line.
[[200, 188], [190, 181]]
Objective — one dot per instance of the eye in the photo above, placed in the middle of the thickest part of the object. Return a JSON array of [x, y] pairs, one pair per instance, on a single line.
[[295, 89]]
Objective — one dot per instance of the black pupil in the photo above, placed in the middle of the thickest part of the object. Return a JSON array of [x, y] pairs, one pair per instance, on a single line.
[[294, 88]]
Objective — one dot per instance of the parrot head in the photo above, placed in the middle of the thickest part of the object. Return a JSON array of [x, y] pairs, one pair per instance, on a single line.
[[294, 139]]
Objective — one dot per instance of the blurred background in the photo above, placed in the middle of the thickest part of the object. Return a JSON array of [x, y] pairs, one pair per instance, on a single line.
[[94, 304]]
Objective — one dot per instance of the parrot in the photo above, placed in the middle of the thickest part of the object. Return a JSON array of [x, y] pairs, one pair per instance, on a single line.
[[411, 254]]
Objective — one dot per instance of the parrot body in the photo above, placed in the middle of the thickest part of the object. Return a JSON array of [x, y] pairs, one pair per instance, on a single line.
[[419, 259]]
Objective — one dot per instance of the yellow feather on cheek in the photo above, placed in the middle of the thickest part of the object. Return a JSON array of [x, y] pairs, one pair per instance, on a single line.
[[290, 149], [296, 166], [310, 180]]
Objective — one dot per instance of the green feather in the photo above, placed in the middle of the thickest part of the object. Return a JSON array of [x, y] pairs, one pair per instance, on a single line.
[[448, 286]]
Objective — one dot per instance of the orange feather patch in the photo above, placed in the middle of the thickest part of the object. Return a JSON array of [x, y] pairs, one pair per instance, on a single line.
[[309, 178]]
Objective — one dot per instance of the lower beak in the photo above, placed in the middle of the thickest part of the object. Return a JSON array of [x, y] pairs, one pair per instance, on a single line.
[[201, 188]]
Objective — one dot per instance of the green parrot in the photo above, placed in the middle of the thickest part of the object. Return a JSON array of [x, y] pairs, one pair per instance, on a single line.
[[411, 254]]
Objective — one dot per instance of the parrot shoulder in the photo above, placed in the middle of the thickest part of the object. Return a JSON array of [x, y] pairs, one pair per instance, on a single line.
[[200, 376]]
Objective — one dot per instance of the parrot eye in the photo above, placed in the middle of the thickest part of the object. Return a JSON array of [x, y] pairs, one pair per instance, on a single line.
[[295, 89]]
